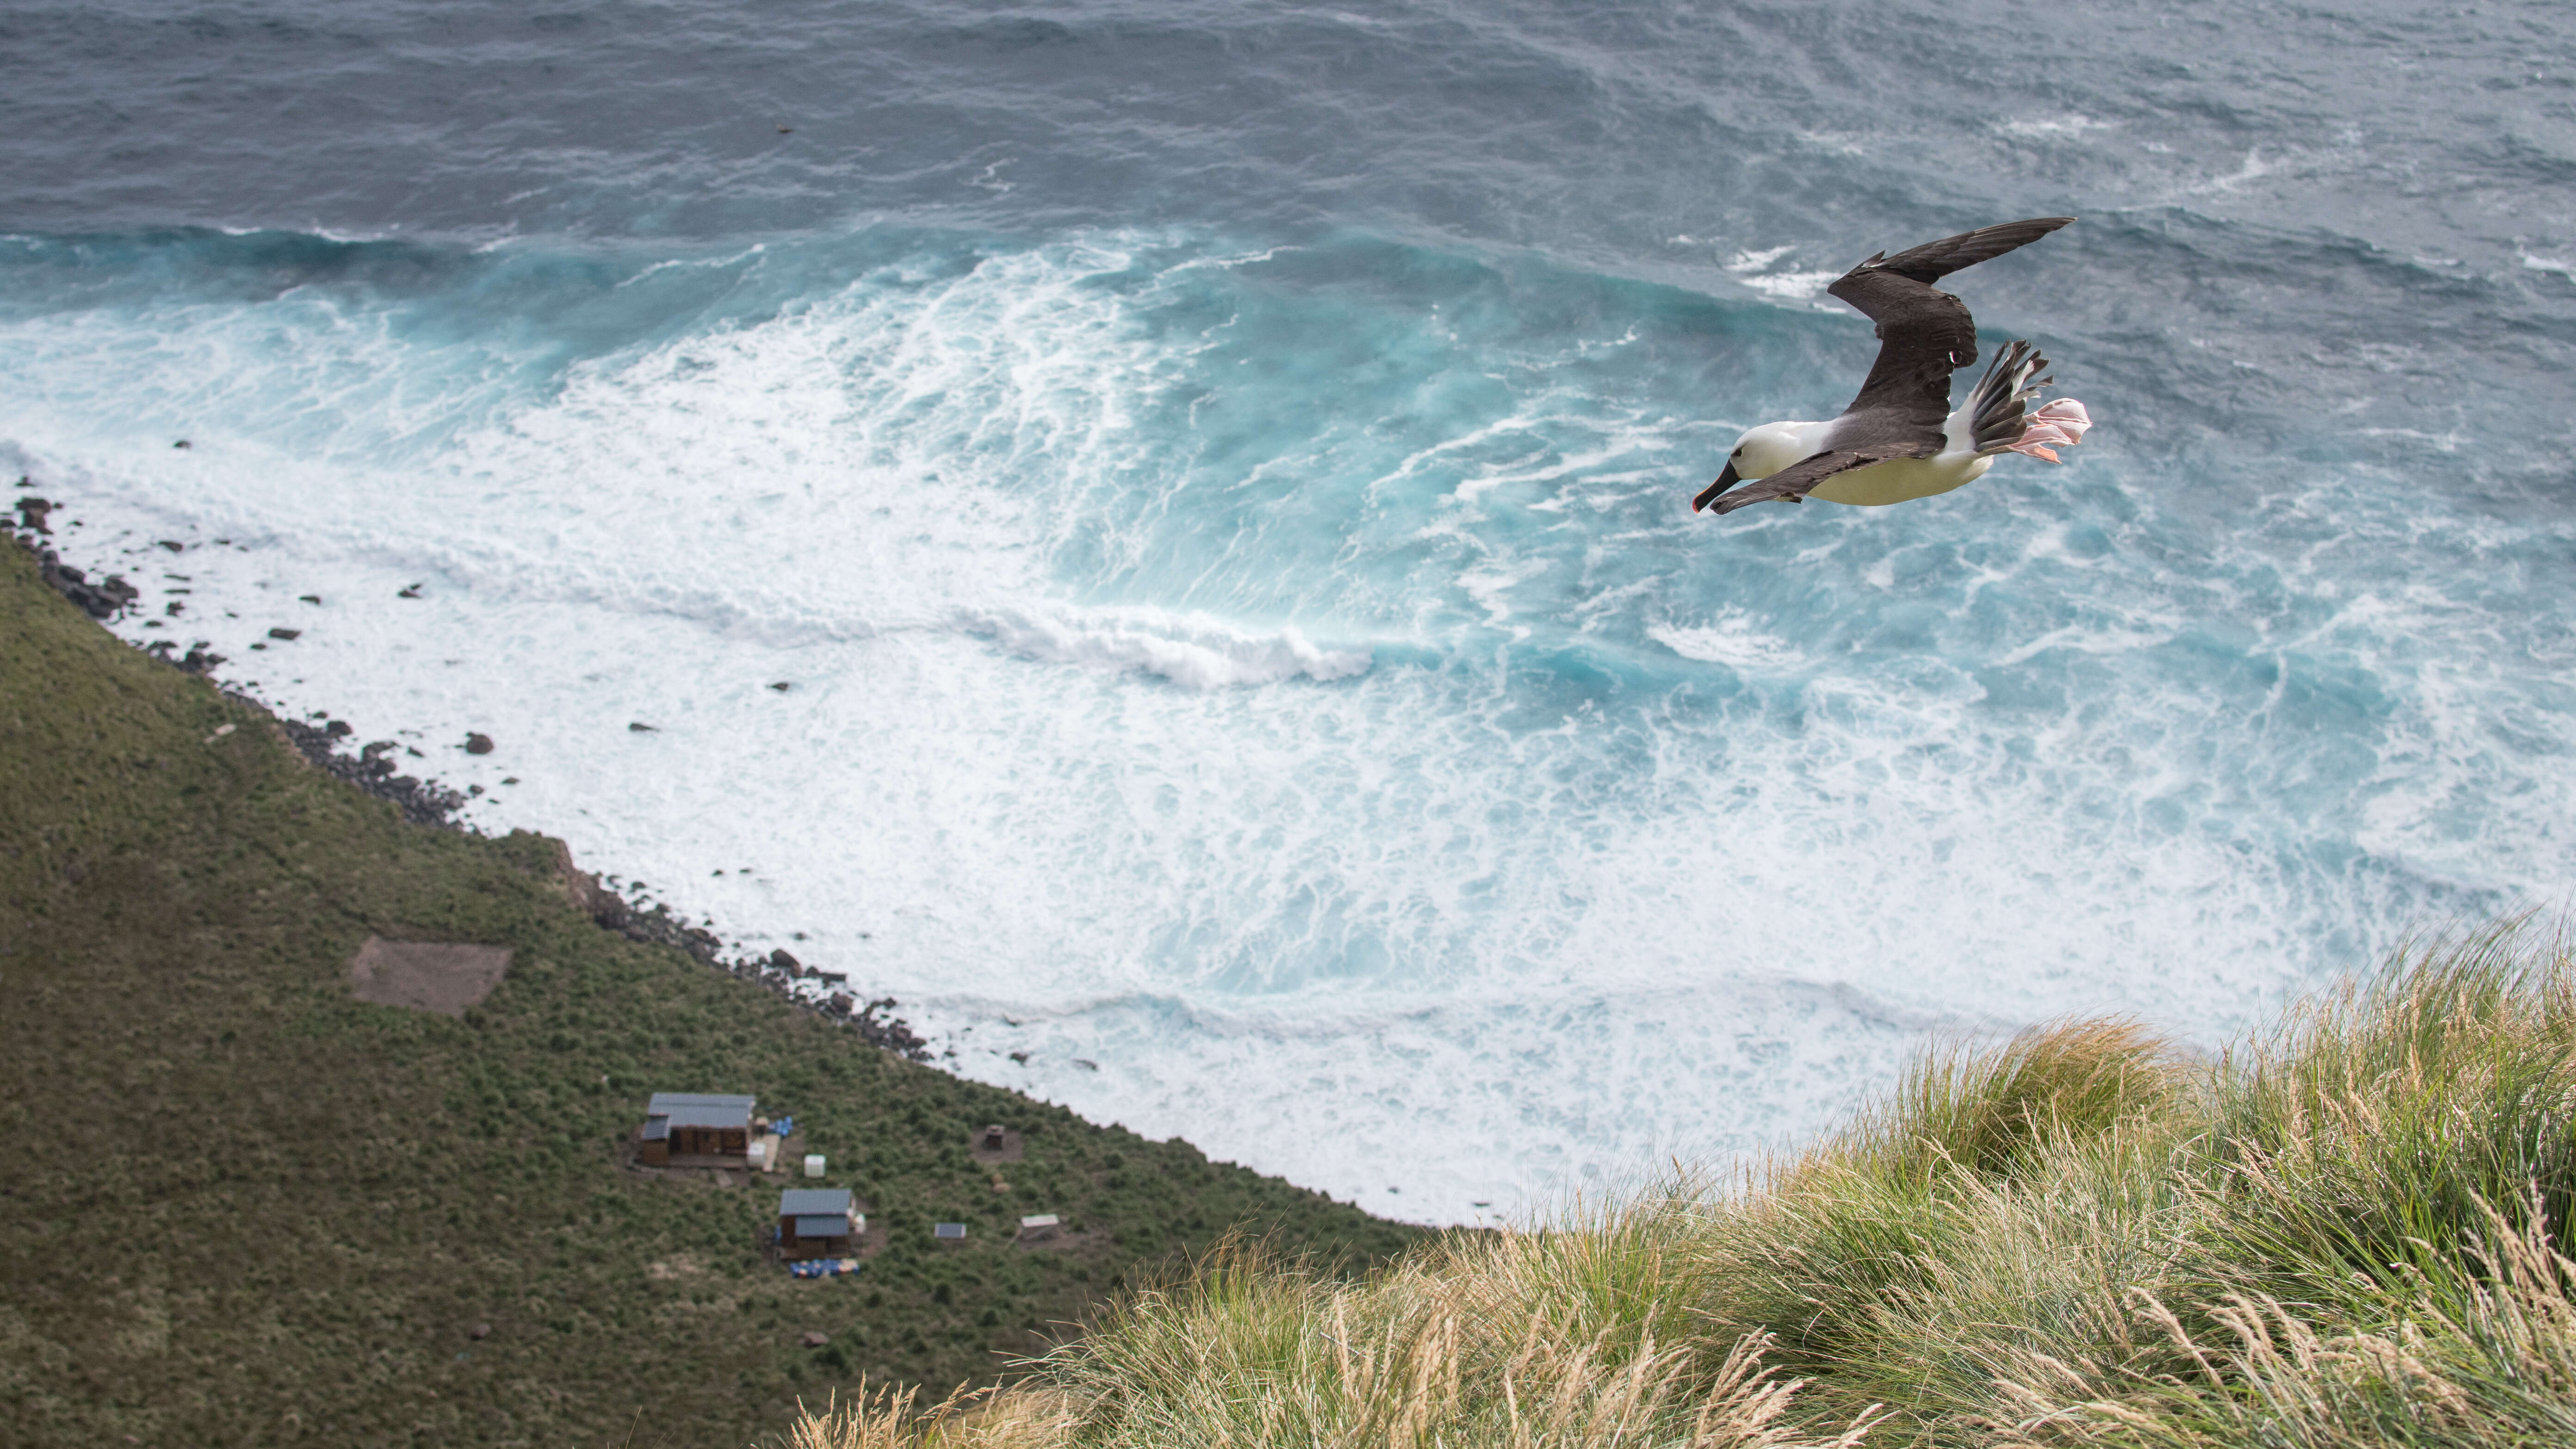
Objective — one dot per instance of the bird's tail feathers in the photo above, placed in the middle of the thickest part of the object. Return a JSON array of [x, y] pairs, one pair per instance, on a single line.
[[1999, 406], [2061, 424]]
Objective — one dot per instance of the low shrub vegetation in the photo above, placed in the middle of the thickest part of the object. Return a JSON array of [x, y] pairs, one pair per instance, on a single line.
[[244, 1207]]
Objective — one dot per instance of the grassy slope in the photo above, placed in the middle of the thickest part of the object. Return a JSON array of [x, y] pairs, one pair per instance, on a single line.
[[2356, 1232], [245, 1208]]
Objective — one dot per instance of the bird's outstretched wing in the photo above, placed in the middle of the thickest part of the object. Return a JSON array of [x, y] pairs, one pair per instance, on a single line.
[[1924, 335], [1932, 261], [1793, 483]]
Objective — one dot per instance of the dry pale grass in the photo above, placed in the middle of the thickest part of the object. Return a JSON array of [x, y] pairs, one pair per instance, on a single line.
[[1570, 1337], [892, 1417], [2354, 1230], [2483, 1363]]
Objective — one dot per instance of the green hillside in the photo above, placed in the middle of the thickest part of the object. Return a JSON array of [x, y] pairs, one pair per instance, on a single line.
[[246, 1208]]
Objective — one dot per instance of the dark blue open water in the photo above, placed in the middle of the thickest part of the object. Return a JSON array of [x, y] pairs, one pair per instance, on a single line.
[[1216, 478]]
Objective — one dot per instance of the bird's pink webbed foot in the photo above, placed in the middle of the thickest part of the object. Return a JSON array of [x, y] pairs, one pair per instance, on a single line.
[[2061, 424]]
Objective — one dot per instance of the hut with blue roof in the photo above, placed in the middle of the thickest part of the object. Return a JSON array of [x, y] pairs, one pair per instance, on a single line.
[[695, 1129], [817, 1222]]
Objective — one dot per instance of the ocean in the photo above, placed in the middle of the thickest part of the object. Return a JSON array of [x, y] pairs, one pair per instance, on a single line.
[[1158, 535]]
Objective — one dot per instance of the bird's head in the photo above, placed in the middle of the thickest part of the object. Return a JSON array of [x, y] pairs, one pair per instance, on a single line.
[[1760, 453], [1767, 449]]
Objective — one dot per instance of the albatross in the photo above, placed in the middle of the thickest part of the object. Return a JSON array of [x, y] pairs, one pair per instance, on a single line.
[[1900, 439]]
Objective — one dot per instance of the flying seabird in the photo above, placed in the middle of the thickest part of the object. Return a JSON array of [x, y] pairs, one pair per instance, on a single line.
[[1899, 438]]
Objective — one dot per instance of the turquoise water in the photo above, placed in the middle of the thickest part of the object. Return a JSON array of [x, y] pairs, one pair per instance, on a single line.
[[1216, 484]]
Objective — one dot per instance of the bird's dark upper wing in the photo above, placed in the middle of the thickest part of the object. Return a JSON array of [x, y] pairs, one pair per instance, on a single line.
[[1932, 261], [1794, 482], [1924, 335]]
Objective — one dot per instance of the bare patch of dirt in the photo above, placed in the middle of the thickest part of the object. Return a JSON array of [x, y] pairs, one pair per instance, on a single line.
[[426, 975], [1086, 1244]]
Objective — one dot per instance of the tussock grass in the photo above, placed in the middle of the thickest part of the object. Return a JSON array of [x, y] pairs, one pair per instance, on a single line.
[[2353, 1229]]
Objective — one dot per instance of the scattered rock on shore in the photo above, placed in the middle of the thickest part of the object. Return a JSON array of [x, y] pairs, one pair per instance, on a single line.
[[102, 601], [422, 802]]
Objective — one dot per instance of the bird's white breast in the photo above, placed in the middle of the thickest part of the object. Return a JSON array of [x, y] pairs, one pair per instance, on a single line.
[[1899, 479]]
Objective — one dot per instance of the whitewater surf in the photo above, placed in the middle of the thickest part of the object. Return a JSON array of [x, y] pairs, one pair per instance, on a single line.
[[1218, 508]]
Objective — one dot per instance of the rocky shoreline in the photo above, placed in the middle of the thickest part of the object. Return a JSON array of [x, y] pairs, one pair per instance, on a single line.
[[370, 769]]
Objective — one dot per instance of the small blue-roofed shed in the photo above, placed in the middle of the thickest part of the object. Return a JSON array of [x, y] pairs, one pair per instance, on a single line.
[[817, 1222], [697, 1129]]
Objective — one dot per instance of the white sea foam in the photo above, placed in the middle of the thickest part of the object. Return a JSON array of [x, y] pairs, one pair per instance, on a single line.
[[1730, 640], [1791, 286], [1194, 650], [1353, 820], [1750, 267], [2051, 127]]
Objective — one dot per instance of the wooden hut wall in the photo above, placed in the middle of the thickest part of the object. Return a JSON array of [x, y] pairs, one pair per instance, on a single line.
[[709, 1140]]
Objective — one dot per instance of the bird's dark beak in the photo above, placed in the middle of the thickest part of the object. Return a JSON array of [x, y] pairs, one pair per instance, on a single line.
[[1725, 480]]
